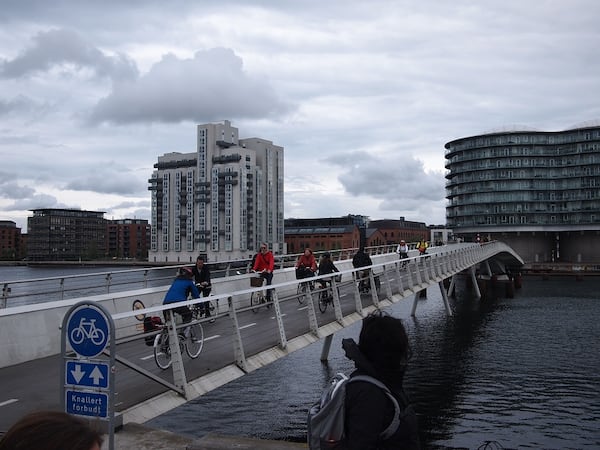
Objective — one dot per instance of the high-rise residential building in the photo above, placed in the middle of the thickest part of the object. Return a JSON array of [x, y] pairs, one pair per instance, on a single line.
[[222, 200], [65, 235], [537, 190]]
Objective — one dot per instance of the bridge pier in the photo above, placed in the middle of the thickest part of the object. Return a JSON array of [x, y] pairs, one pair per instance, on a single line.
[[475, 284], [326, 347], [445, 298]]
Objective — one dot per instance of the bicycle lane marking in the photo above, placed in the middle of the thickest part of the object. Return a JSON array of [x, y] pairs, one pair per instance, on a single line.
[[8, 402]]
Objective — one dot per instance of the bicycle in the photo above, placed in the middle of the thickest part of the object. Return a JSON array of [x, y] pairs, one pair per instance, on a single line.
[[304, 286], [258, 298], [199, 311], [325, 295], [191, 341]]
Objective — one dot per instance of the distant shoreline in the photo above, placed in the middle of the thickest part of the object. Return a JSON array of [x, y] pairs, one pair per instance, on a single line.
[[86, 263]]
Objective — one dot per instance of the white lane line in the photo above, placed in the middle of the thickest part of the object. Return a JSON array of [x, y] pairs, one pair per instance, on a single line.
[[302, 308], [282, 315], [8, 402], [248, 326]]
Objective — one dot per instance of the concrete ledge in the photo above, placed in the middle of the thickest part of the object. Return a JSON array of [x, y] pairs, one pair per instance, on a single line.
[[216, 442], [134, 436]]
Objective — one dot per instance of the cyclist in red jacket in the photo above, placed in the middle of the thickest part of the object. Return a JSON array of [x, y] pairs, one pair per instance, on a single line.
[[264, 264]]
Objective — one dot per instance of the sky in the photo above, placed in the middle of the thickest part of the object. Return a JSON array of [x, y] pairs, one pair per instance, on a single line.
[[362, 95]]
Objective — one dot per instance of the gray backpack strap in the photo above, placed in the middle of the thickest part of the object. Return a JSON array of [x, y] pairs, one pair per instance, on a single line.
[[393, 426]]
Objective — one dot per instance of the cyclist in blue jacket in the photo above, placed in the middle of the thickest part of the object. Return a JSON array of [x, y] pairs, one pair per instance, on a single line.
[[182, 286]]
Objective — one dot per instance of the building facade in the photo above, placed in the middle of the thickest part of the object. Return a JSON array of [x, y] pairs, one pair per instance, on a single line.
[[128, 239], [538, 191], [12, 246], [65, 235], [394, 230], [222, 200]]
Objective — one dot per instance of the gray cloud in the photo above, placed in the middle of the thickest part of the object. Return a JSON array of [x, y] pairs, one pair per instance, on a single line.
[[107, 179], [60, 47], [210, 86]]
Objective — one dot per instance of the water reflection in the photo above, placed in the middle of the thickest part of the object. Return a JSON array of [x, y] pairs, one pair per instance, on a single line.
[[524, 372]]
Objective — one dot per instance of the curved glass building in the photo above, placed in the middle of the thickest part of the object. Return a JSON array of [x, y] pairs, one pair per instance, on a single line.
[[537, 190]]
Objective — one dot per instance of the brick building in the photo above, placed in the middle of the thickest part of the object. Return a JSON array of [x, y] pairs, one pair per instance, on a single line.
[[128, 239], [11, 241]]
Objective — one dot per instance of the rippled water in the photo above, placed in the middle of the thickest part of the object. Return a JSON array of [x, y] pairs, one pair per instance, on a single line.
[[524, 372]]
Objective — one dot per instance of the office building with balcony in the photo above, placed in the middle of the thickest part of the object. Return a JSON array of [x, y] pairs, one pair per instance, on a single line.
[[539, 191], [222, 200]]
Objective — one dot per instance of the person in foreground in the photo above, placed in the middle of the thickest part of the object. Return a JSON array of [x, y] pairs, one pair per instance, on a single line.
[[51, 430], [382, 352]]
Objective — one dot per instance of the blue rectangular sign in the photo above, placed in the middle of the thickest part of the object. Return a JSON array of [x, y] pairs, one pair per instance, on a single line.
[[90, 374], [82, 403]]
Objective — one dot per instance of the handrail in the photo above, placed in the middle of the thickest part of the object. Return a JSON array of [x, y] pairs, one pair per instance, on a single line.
[[39, 290]]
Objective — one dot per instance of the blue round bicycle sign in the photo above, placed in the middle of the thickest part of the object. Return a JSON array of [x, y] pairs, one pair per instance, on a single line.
[[87, 331]]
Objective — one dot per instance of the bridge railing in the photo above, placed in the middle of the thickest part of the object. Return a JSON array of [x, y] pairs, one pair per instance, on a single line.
[[47, 289], [257, 336]]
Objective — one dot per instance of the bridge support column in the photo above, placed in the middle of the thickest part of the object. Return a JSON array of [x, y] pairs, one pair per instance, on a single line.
[[413, 311], [452, 285], [326, 347], [475, 284], [445, 297]]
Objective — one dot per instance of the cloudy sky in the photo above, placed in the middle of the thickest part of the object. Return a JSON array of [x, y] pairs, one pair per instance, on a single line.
[[362, 95]]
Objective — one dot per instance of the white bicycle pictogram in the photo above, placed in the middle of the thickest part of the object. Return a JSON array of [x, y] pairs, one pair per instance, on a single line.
[[87, 330]]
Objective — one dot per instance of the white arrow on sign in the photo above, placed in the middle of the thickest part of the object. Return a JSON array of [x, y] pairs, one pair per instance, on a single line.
[[96, 375], [78, 373]]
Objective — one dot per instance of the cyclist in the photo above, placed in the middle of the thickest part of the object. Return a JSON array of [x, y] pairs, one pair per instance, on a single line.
[[202, 279], [265, 264], [362, 259], [402, 251], [422, 247], [181, 287], [326, 266], [306, 266]]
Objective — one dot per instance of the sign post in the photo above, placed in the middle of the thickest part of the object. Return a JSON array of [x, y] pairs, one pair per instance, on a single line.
[[87, 384]]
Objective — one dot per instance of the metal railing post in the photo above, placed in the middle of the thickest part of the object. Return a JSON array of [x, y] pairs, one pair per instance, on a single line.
[[279, 318], [238, 345]]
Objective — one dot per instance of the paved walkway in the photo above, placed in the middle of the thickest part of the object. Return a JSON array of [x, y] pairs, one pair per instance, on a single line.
[[139, 437]]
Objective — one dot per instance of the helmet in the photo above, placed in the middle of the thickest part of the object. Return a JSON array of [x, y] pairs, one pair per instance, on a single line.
[[186, 271]]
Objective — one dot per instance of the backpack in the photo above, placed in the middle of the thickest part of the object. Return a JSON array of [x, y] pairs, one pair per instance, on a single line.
[[326, 417], [151, 324]]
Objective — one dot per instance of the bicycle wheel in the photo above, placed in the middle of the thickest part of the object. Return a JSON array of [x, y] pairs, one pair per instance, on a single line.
[[255, 301], [195, 341], [323, 300], [162, 350], [301, 293]]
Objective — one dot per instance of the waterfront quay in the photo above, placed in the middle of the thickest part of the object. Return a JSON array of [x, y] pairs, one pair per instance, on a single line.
[[134, 436]]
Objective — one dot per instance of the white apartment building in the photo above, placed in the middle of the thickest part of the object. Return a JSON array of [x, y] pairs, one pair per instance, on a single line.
[[223, 200]]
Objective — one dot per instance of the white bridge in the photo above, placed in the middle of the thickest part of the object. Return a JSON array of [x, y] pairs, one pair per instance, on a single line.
[[242, 339]]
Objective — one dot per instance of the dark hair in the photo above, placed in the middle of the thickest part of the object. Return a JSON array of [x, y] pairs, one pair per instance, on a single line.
[[384, 341], [185, 272], [50, 430], [200, 258]]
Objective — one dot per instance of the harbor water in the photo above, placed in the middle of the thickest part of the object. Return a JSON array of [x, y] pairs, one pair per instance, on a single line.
[[521, 372]]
